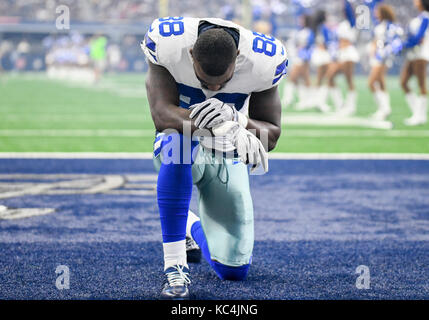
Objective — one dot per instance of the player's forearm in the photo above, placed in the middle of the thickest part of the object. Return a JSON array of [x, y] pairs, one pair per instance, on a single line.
[[265, 112], [164, 104], [265, 129], [170, 116], [163, 97]]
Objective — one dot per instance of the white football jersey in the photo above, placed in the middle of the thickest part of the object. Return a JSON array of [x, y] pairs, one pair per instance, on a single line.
[[260, 65]]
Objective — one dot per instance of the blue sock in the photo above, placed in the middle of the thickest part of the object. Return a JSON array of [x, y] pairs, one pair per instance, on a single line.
[[174, 192], [198, 235], [224, 272]]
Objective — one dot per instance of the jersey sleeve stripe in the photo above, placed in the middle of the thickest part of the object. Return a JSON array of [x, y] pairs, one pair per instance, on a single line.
[[153, 57], [281, 67], [150, 44], [277, 79]]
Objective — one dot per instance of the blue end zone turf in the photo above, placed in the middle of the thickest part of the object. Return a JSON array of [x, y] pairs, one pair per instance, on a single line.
[[316, 221]]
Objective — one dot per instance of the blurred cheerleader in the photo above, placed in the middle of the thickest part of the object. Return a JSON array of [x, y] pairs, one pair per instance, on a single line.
[[387, 43], [417, 44], [302, 46], [346, 59], [322, 58]]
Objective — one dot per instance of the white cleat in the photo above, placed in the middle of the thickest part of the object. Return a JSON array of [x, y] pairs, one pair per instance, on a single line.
[[176, 283]]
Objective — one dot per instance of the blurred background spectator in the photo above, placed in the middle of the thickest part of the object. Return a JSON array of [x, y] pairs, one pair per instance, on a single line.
[[30, 41]]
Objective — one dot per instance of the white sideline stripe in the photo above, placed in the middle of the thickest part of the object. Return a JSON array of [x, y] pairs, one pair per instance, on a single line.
[[127, 90], [115, 89], [75, 155], [320, 119], [349, 156], [76, 133], [88, 117], [273, 156], [129, 133], [287, 132]]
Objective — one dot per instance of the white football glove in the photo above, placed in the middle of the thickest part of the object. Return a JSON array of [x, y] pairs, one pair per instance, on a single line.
[[213, 112], [248, 146]]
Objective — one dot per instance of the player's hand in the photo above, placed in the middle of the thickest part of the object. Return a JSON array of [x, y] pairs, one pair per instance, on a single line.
[[213, 112], [248, 146]]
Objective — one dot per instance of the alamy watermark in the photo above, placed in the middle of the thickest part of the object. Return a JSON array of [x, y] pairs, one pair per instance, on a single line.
[[177, 147], [63, 280], [62, 22], [363, 17], [363, 282]]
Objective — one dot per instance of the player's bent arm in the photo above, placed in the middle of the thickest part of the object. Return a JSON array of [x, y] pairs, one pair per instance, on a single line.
[[265, 115], [163, 98]]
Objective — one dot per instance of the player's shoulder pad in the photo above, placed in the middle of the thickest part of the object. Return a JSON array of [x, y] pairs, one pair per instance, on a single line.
[[269, 58], [166, 38]]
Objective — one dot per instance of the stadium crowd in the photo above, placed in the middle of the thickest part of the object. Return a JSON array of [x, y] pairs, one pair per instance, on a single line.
[[144, 11], [110, 11], [284, 19], [277, 17]]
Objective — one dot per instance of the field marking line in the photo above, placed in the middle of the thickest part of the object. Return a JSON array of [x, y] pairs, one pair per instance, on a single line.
[[76, 155], [349, 156], [11, 214], [273, 156], [323, 133], [138, 133], [333, 119], [17, 185], [77, 133], [119, 88], [76, 117]]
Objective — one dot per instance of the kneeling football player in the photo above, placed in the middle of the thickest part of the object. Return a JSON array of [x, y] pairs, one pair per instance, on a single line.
[[221, 78]]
